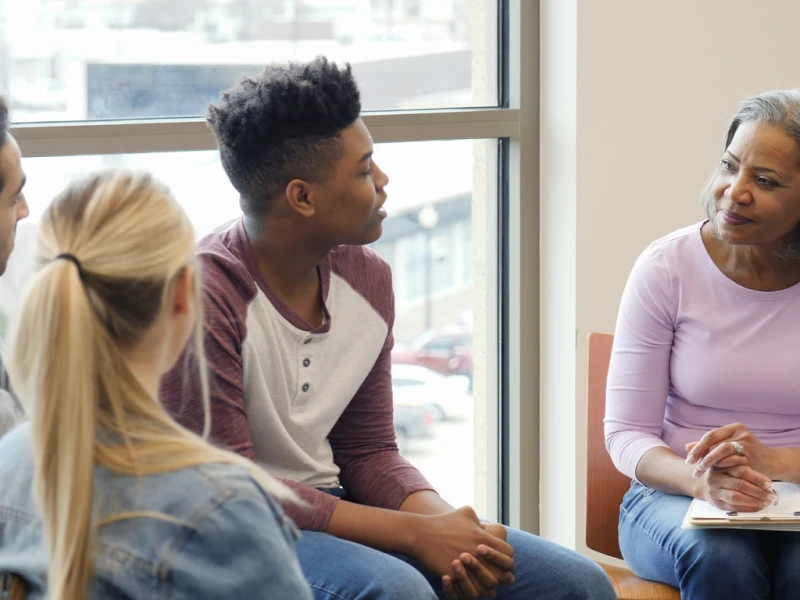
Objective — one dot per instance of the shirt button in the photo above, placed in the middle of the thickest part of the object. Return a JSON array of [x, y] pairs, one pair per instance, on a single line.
[[306, 387], [306, 362], [307, 341]]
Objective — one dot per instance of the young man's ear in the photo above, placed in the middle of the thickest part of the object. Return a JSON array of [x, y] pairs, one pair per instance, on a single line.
[[183, 291], [300, 197]]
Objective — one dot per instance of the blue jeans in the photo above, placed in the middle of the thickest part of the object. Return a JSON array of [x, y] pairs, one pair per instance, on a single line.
[[338, 569], [705, 563]]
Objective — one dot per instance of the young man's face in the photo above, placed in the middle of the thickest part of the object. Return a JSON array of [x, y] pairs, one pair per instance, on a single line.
[[350, 211], [13, 206]]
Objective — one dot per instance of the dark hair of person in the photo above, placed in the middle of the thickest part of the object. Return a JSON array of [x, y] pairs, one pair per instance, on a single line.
[[283, 125], [3, 131], [3, 120]]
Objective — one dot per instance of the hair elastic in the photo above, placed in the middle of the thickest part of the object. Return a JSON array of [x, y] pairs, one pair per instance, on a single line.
[[73, 259]]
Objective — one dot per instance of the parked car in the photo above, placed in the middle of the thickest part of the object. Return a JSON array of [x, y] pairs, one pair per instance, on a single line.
[[447, 350], [448, 397], [413, 418]]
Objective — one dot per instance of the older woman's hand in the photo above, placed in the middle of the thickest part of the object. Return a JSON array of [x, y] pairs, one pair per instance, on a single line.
[[732, 446], [738, 489]]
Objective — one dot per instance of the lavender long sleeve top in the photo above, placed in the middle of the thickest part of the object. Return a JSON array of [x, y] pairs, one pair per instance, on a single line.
[[312, 406], [693, 351]]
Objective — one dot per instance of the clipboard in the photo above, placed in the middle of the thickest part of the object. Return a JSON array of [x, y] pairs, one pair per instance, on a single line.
[[784, 515]]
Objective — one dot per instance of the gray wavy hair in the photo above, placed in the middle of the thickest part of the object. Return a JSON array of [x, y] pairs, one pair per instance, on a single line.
[[778, 108]]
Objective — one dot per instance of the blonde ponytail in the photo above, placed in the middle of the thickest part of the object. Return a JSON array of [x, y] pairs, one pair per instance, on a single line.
[[126, 241], [58, 326]]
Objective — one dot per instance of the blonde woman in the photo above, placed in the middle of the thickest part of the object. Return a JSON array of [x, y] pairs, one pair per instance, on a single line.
[[102, 494]]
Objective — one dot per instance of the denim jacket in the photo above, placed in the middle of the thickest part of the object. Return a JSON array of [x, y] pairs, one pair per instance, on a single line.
[[223, 536]]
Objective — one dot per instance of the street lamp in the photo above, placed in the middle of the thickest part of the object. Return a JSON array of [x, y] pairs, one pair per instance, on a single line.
[[428, 219]]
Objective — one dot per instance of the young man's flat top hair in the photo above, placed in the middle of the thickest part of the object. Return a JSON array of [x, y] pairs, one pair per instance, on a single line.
[[283, 125]]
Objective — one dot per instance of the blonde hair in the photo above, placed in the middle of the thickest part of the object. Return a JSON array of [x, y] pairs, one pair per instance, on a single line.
[[130, 240]]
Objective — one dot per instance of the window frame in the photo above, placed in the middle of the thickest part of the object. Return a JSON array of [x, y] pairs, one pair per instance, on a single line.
[[186, 135], [513, 423]]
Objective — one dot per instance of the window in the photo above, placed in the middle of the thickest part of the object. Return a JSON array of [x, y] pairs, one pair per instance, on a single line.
[[97, 83], [439, 344], [399, 383], [428, 426], [120, 59], [413, 8]]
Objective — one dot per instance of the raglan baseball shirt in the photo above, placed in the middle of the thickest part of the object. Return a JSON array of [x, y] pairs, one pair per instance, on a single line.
[[312, 406]]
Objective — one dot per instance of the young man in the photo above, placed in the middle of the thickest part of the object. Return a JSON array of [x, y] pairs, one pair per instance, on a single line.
[[299, 318], [13, 209]]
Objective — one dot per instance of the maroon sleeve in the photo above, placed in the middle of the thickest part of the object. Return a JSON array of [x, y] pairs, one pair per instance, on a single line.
[[363, 440], [223, 335]]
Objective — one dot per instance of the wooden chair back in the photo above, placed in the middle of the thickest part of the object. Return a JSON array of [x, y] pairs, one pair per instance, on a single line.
[[605, 485], [12, 587]]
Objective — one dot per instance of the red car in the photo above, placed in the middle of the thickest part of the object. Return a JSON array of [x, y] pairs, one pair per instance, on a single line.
[[447, 351]]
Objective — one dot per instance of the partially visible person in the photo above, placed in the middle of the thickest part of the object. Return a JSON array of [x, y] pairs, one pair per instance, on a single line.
[[13, 208], [300, 319], [706, 351], [103, 495]]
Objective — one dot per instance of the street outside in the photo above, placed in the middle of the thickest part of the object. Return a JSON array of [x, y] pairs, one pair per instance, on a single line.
[[447, 459], [434, 408]]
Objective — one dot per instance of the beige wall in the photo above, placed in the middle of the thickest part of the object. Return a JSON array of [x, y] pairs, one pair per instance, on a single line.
[[635, 98]]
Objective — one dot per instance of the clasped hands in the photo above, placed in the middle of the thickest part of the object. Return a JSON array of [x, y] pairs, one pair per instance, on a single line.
[[731, 480], [473, 574]]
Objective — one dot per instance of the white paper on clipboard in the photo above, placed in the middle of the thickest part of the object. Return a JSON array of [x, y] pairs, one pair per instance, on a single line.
[[784, 515]]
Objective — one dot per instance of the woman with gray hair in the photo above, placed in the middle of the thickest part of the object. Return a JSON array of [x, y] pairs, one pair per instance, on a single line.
[[704, 378]]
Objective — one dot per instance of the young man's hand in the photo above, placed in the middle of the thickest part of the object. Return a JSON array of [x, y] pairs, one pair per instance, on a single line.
[[497, 530], [495, 562], [488, 579], [472, 558]]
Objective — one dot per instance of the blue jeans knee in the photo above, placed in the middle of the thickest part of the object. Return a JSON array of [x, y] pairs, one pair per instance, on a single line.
[[337, 569], [703, 563]]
